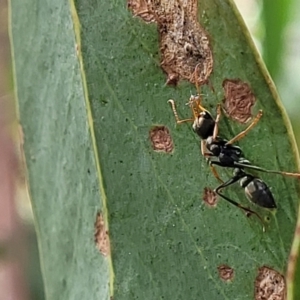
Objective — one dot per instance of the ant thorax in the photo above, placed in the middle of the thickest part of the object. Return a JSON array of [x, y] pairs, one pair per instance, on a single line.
[[215, 146], [227, 154]]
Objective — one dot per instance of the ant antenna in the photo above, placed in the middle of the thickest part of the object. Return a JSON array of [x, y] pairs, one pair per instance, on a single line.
[[178, 121], [195, 78]]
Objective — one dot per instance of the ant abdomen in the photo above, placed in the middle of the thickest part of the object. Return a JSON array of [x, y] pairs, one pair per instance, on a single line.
[[257, 191]]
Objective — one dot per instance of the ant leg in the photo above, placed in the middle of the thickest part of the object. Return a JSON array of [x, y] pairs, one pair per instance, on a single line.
[[178, 121], [297, 175], [216, 128], [215, 173], [256, 168], [245, 209], [203, 147], [244, 132], [207, 155], [289, 174]]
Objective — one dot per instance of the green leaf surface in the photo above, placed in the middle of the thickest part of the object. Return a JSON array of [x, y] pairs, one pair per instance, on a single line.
[[62, 175], [87, 100]]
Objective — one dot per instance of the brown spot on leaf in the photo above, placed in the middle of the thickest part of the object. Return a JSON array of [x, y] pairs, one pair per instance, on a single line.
[[269, 285], [225, 272], [239, 100], [101, 236], [142, 9], [209, 197], [184, 44], [161, 139]]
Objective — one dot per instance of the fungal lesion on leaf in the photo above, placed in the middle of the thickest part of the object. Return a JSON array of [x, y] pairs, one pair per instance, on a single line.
[[101, 236], [239, 100], [183, 42], [161, 139], [141, 9], [226, 273], [269, 284], [209, 197]]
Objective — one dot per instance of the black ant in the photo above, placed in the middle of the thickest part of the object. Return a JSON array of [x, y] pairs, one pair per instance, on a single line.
[[205, 126], [229, 156]]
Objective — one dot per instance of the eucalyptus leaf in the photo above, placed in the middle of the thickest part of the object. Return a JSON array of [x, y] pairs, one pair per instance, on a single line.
[[90, 88]]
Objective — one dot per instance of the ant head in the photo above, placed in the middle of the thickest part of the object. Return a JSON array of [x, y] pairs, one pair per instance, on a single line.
[[202, 118], [194, 101]]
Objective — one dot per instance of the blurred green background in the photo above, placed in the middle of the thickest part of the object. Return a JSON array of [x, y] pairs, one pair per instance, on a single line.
[[275, 27]]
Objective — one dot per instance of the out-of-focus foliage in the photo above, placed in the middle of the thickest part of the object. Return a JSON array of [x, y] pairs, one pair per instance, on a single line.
[[275, 18]]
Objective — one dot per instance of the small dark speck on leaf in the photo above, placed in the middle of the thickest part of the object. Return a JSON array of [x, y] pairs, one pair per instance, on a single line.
[[267, 219], [104, 102]]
